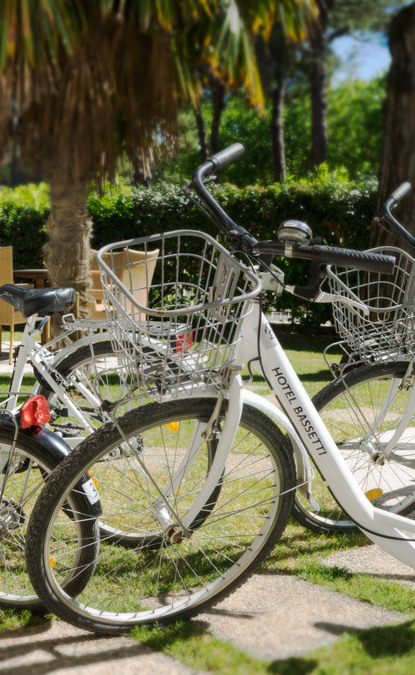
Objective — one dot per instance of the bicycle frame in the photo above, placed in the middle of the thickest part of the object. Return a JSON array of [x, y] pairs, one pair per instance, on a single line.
[[46, 362], [395, 534]]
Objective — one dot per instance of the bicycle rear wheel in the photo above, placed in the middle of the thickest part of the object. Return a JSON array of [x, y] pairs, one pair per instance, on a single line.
[[362, 411], [162, 579], [96, 382], [21, 482]]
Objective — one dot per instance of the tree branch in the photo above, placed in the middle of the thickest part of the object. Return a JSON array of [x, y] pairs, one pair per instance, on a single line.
[[345, 30]]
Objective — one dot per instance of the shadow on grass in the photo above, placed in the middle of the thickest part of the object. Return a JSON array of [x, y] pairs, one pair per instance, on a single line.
[[305, 342], [388, 640], [28, 381], [293, 666], [378, 643]]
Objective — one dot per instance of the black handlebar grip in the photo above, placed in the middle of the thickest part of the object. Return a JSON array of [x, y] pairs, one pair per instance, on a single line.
[[400, 192], [362, 260], [227, 155]]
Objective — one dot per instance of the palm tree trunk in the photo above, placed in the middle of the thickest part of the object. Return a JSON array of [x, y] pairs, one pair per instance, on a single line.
[[140, 173], [69, 230], [318, 110], [279, 167]]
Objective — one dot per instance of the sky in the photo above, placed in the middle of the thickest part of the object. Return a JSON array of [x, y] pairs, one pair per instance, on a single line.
[[360, 59]]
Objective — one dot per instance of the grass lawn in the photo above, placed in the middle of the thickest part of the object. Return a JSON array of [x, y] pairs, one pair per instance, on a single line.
[[299, 552]]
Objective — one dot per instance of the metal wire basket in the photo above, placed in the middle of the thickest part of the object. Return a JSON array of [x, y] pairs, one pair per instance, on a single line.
[[386, 331], [175, 303]]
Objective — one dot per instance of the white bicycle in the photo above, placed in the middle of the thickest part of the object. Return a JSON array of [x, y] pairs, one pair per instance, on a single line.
[[369, 408], [204, 503]]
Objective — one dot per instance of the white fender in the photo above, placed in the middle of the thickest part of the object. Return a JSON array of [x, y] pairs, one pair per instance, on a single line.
[[304, 470]]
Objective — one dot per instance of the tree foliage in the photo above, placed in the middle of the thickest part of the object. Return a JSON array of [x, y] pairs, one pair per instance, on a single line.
[[93, 78], [355, 123], [370, 15]]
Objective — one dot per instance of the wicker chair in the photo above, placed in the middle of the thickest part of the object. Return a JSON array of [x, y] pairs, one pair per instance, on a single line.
[[9, 316], [137, 276]]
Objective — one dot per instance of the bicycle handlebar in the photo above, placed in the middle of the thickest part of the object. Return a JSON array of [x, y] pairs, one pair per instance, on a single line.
[[400, 192], [241, 239], [362, 260], [392, 201], [235, 233], [227, 155]]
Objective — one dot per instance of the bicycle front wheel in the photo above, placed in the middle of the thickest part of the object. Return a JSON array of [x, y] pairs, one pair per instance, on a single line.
[[371, 418], [163, 578]]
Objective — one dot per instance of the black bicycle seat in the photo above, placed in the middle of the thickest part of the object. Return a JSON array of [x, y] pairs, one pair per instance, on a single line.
[[41, 301]]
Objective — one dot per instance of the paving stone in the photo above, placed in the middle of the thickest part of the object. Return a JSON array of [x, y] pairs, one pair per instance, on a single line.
[[372, 560], [275, 616], [61, 649]]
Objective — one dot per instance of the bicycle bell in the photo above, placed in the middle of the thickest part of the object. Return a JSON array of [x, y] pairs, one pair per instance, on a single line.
[[294, 232]]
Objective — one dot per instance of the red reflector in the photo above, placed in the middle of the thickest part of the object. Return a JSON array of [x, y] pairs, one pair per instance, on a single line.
[[183, 341], [34, 411]]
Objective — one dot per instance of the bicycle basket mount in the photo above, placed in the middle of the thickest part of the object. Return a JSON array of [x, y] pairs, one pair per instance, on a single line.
[[175, 303]]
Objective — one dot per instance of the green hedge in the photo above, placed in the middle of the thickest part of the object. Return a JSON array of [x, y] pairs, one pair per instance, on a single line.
[[337, 210], [23, 215]]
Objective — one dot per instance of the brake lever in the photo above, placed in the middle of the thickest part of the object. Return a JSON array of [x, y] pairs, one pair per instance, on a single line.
[[332, 297], [313, 292]]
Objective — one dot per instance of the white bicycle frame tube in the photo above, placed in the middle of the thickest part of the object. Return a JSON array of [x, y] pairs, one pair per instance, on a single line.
[[394, 533], [227, 435]]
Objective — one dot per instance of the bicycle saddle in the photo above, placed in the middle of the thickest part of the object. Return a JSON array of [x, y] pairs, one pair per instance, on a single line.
[[40, 301]]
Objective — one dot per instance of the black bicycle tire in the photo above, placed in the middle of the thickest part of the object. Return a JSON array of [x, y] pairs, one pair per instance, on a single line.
[[42, 456]]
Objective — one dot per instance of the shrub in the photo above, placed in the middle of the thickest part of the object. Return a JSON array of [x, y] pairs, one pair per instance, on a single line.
[[337, 210], [23, 215]]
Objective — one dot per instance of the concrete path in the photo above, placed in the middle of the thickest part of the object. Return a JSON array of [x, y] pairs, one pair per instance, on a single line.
[[273, 616], [62, 649], [278, 616], [372, 560]]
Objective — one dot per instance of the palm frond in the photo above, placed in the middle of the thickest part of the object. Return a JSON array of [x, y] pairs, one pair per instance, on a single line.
[[91, 79]]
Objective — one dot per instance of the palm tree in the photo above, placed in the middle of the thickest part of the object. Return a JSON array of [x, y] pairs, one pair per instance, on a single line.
[[82, 81]]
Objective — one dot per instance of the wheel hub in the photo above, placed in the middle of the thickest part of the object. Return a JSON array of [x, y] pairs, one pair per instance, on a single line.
[[376, 454], [12, 516]]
